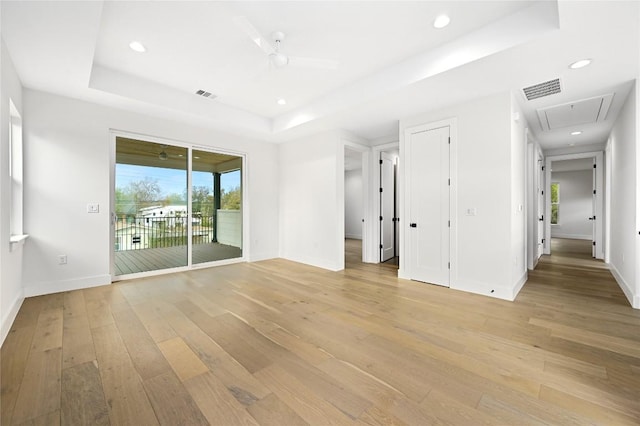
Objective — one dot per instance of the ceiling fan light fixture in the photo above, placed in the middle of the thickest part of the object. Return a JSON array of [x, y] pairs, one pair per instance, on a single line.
[[580, 64], [136, 46], [278, 59], [441, 21]]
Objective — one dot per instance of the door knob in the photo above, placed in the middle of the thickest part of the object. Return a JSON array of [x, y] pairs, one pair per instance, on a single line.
[[413, 225]]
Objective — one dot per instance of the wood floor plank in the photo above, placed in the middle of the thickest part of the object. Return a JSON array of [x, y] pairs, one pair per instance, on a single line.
[[49, 330], [157, 326], [40, 389], [301, 399], [125, 395], [272, 411], [183, 360], [215, 401], [77, 341], [594, 411], [13, 361], [171, 402], [144, 353], [83, 401], [49, 419]]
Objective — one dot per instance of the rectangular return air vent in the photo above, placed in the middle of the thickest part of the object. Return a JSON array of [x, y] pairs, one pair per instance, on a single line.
[[206, 94], [541, 90]]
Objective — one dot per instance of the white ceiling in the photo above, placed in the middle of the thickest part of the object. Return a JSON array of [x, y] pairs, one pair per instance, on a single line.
[[393, 63]]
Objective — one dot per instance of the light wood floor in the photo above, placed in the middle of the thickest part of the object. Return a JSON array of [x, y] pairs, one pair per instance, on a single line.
[[279, 343]]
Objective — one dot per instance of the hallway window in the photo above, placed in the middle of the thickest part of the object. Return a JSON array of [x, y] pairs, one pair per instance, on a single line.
[[555, 203]]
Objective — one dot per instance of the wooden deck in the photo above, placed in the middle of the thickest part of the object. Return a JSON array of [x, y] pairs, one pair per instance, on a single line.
[[281, 343], [133, 261]]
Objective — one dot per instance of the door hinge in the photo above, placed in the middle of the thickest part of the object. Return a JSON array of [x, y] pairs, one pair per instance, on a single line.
[[380, 161], [594, 243], [543, 241], [380, 189], [543, 168], [449, 181], [542, 192], [448, 265], [380, 245], [594, 166], [449, 139], [449, 223], [380, 217], [594, 192]]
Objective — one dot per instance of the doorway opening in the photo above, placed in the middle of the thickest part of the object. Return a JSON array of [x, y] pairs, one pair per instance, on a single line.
[[574, 207], [174, 207], [388, 201], [354, 205]]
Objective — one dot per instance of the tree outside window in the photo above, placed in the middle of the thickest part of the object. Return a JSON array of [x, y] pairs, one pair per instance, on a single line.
[[555, 203]]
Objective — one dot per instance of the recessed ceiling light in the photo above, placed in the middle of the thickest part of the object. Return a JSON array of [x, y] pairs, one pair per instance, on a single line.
[[576, 133], [441, 21], [580, 64], [137, 47], [572, 144], [282, 101]]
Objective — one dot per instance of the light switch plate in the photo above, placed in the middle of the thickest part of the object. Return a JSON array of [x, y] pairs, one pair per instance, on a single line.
[[93, 208]]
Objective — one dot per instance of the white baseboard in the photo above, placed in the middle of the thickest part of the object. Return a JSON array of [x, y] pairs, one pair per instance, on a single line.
[[634, 299], [588, 237], [10, 316], [38, 289], [353, 236]]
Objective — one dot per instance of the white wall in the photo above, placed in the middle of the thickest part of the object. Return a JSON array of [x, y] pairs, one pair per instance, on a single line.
[[623, 254], [311, 215], [353, 204], [488, 175], [68, 161], [576, 204], [517, 217], [11, 294]]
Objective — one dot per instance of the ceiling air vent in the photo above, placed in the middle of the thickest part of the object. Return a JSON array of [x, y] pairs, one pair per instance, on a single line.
[[541, 90], [206, 94]]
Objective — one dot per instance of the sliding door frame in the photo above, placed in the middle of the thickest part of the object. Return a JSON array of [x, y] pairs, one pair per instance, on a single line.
[[113, 134]]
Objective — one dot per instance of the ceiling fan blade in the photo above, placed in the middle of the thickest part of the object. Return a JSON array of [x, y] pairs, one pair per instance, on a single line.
[[248, 28], [325, 64]]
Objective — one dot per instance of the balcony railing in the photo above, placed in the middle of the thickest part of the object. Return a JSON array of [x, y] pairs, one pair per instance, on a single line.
[[141, 233]]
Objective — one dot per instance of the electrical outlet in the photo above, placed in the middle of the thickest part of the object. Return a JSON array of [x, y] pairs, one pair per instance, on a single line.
[[93, 208], [62, 259]]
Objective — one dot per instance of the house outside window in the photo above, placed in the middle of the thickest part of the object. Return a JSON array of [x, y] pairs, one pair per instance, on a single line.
[[555, 203]]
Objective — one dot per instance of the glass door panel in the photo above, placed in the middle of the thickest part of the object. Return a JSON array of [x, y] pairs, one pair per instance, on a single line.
[[151, 213], [216, 196]]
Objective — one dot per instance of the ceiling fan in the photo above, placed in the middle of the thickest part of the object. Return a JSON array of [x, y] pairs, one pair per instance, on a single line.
[[277, 58]]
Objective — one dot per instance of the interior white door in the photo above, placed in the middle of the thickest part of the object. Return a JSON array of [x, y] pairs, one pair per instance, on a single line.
[[540, 184], [387, 219], [429, 238]]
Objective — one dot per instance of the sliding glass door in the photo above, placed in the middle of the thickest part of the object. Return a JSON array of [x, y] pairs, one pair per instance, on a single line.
[[217, 206], [172, 201]]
